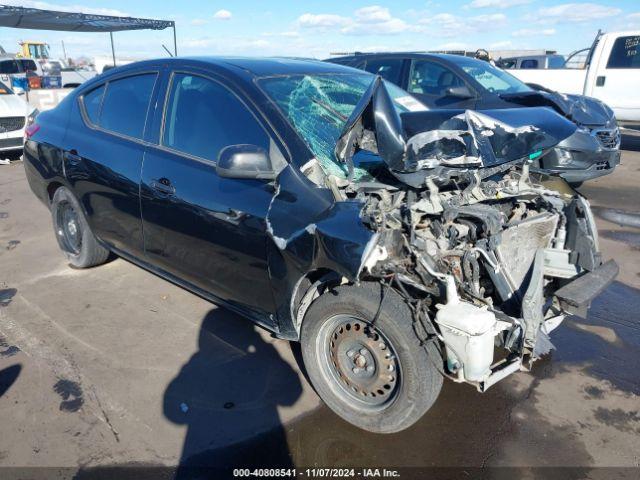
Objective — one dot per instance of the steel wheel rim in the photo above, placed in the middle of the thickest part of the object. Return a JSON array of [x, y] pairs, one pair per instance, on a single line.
[[358, 362], [68, 228]]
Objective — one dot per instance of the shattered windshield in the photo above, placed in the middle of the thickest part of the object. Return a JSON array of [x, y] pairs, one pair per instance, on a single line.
[[494, 79], [318, 107]]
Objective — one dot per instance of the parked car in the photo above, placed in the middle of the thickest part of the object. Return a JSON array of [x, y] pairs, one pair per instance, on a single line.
[[454, 81], [611, 74], [397, 244], [15, 115], [531, 62]]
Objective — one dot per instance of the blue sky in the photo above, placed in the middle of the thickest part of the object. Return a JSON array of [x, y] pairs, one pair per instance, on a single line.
[[316, 28]]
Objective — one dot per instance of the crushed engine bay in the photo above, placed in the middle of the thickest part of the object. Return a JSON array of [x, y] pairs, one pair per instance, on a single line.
[[484, 249]]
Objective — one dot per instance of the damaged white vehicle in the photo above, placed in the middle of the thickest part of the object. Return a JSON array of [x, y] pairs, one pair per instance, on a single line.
[[468, 258]]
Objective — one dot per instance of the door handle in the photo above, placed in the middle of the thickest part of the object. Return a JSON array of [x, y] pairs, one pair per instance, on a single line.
[[163, 185], [600, 81], [72, 157]]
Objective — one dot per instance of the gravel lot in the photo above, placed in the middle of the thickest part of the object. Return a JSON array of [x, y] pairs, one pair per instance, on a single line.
[[115, 366]]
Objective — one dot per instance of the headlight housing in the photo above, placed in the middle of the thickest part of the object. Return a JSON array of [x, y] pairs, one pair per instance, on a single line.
[[31, 118]]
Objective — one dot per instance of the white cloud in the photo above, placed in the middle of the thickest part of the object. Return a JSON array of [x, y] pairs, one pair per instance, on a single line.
[[322, 20], [533, 32], [498, 45], [198, 21], [222, 15], [497, 3], [449, 25], [576, 12], [373, 14], [371, 20]]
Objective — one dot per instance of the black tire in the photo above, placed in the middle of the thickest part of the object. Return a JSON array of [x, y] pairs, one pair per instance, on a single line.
[[406, 397], [72, 231]]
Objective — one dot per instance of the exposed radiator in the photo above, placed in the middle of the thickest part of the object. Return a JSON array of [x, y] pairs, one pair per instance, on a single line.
[[520, 242]]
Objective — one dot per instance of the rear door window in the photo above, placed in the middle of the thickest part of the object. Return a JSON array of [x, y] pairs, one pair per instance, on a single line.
[[388, 68], [625, 53], [125, 105], [202, 117], [432, 79]]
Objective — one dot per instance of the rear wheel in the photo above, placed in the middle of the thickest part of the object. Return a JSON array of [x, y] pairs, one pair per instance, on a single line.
[[376, 376], [72, 231]]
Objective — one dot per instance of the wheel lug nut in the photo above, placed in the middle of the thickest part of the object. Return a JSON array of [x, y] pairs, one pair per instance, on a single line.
[[363, 351], [356, 370], [351, 353], [370, 368]]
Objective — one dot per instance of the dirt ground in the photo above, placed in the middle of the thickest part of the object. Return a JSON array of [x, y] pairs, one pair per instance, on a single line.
[[113, 366]]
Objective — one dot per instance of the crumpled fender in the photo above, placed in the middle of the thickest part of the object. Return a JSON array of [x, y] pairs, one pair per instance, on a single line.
[[310, 232], [580, 109]]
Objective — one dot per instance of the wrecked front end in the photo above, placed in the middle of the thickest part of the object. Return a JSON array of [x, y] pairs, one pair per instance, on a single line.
[[500, 261], [444, 208], [487, 252]]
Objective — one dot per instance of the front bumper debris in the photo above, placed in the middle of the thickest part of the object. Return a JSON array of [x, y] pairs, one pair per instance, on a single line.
[[576, 296]]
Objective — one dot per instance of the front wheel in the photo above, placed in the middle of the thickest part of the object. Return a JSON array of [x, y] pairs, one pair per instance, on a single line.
[[375, 376], [72, 231]]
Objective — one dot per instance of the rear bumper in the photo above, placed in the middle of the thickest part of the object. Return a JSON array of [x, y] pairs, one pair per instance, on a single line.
[[576, 296]]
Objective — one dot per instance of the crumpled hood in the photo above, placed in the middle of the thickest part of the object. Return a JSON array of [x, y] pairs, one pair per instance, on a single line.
[[580, 109], [414, 141]]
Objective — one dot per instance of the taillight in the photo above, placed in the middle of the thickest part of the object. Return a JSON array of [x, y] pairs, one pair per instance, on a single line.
[[31, 130]]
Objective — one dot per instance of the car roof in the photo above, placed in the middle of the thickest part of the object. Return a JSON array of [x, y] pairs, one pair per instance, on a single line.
[[446, 57], [247, 66]]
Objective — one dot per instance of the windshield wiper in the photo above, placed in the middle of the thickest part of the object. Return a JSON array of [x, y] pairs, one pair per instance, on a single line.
[[330, 109]]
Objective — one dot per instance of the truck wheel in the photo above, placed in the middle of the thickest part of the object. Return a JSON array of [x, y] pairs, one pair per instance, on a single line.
[[73, 233], [375, 376]]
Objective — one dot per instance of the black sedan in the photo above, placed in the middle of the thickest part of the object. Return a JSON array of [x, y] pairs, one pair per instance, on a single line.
[[398, 245], [452, 81]]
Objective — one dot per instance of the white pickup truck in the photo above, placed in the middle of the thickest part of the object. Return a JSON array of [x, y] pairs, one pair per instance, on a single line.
[[611, 74]]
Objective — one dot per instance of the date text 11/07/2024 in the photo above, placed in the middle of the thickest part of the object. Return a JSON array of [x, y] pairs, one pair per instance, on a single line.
[[316, 473]]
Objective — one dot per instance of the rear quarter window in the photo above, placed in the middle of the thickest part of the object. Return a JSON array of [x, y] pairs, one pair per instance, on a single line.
[[92, 101], [625, 53]]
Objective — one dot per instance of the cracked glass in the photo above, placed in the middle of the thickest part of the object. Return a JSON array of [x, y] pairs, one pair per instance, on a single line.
[[318, 107]]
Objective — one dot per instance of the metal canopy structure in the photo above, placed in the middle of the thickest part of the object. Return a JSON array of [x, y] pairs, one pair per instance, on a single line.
[[37, 19]]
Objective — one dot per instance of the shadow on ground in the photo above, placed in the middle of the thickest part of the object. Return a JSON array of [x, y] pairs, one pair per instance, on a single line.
[[230, 388], [8, 377]]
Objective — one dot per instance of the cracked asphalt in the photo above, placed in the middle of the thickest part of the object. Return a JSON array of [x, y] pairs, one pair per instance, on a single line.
[[113, 366]]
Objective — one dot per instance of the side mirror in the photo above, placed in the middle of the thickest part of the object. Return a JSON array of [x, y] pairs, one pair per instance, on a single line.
[[245, 161], [458, 92]]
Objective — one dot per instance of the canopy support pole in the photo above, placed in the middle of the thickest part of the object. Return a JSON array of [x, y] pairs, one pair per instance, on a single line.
[[113, 50], [175, 43]]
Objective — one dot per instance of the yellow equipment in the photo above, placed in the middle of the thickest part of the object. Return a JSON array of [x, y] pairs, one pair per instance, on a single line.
[[35, 50]]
